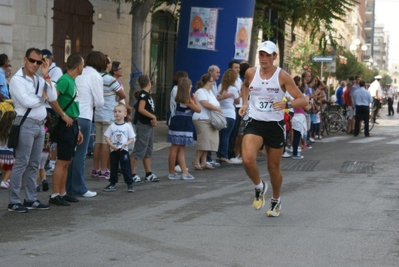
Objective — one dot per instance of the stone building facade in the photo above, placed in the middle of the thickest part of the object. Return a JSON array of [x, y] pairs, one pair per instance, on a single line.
[[30, 23]]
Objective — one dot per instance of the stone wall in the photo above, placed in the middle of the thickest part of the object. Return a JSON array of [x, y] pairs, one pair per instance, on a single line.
[[28, 23], [7, 16]]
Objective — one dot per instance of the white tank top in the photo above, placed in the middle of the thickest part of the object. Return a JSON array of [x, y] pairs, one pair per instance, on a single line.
[[262, 94]]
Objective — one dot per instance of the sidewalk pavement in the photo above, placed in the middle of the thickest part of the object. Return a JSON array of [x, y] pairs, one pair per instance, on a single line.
[[160, 133]]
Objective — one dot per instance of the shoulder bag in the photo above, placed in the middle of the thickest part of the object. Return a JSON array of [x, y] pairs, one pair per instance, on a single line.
[[13, 136], [53, 127], [218, 120]]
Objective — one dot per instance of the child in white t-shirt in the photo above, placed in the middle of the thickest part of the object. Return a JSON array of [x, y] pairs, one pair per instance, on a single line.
[[119, 136]]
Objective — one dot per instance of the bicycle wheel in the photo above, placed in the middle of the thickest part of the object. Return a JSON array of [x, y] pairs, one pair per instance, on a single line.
[[371, 126], [335, 122], [323, 126]]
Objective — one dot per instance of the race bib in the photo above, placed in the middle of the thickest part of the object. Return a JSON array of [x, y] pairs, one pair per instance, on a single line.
[[264, 104]]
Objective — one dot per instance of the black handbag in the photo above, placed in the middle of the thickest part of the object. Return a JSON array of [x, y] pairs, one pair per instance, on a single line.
[[53, 127], [13, 136]]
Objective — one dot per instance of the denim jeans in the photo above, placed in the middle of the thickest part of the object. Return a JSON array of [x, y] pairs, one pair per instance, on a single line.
[[120, 158], [75, 184], [224, 137], [90, 147], [233, 135]]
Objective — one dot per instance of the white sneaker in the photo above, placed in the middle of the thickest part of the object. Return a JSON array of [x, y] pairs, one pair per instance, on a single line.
[[288, 148], [311, 139], [50, 171], [136, 179], [178, 169], [299, 149], [236, 160], [286, 155], [187, 177], [4, 185], [89, 194], [174, 176], [299, 156]]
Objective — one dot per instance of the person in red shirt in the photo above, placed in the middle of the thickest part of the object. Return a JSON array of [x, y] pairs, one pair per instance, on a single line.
[[350, 111]]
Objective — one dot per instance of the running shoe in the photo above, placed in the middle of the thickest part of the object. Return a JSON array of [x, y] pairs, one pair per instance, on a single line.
[[35, 205], [95, 173], [174, 176], [187, 177], [151, 178], [299, 156], [136, 179], [286, 155], [109, 188], [130, 188], [275, 208], [259, 200]]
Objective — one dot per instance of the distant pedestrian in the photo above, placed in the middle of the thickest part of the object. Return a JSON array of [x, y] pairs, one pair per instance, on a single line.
[[362, 100]]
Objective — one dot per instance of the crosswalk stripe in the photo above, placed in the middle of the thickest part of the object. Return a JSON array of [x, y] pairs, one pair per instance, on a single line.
[[364, 140], [396, 142], [333, 139]]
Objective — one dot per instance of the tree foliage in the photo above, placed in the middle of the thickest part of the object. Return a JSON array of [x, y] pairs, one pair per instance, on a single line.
[[353, 68], [301, 56], [313, 16]]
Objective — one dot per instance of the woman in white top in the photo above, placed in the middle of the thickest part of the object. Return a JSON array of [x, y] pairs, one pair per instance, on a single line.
[[228, 96], [207, 136]]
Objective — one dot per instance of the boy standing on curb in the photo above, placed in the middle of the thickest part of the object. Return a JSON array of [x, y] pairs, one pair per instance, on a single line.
[[119, 136], [147, 120]]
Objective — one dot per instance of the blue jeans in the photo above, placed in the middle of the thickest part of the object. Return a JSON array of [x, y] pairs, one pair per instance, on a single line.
[[224, 137], [120, 158], [75, 184], [91, 139]]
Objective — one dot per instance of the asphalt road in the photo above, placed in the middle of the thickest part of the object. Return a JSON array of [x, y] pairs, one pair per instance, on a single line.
[[339, 208]]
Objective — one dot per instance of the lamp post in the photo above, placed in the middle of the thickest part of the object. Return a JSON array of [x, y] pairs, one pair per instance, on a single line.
[[356, 48]]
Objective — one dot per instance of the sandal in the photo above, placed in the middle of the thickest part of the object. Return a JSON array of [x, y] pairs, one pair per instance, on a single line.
[[208, 166], [197, 166]]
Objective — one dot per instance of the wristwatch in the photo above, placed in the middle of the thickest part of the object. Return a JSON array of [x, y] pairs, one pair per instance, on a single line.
[[288, 104]]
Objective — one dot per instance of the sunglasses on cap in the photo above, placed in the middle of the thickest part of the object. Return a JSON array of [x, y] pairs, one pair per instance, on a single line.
[[38, 62]]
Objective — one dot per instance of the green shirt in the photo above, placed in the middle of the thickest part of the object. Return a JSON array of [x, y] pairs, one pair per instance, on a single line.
[[67, 88]]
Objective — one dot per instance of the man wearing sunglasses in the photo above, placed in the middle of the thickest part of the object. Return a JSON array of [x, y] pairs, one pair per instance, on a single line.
[[29, 91]]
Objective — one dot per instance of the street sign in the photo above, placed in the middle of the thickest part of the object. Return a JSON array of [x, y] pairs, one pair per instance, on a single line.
[[331, 67], [327, 59]]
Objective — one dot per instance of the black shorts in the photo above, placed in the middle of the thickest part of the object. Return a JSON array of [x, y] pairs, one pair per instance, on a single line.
[[67, 140], [272, 132]]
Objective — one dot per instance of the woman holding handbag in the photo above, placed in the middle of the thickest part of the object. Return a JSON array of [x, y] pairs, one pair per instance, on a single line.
[[207, 135], [228, 96]]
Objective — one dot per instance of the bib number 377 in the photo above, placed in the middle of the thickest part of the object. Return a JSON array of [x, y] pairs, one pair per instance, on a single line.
[[265, 105]]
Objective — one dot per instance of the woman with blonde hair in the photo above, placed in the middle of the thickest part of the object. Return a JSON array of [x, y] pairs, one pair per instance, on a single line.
[[181, 128], [207, 136], [228, 96]]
